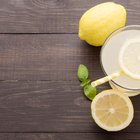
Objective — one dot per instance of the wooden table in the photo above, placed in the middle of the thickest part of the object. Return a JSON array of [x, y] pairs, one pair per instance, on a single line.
[[40, 96]]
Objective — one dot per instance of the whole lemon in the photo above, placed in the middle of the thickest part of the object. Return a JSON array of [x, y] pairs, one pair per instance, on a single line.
[[98, 22]]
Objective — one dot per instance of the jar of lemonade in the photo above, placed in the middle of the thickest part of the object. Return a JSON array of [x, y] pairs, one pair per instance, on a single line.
[[128, 36]]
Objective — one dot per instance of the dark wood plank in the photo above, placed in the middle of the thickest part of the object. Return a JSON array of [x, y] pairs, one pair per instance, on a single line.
[[69, 136], [46, 57], [45, 106], [52, 16]]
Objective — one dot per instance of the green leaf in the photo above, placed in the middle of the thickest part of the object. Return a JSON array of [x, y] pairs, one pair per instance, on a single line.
[[84, 83], [89, 92], [82, 72]]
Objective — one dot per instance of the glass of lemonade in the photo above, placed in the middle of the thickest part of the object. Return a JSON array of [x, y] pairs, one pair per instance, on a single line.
[[110, 58]]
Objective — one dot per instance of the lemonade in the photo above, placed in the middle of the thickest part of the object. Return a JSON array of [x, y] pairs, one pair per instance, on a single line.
[[124, 42]]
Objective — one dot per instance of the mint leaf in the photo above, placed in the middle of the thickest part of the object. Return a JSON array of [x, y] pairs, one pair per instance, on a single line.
[[82, 72], [84, 83], [89, 92]]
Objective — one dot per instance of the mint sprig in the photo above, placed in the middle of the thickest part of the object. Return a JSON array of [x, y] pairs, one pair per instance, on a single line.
[[82, 73], [89, 92], [84, 83]]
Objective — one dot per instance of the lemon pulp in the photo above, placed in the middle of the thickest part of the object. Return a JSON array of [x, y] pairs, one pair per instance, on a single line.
[[112, 110]]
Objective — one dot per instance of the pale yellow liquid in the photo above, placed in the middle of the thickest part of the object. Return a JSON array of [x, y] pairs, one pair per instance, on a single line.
[[110, 57]]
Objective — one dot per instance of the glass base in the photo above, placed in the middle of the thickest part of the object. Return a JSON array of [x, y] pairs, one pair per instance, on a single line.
[[130, 93]]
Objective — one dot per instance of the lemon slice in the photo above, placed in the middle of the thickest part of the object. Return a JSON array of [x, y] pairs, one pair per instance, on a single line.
[[112, 110], [129, 58]]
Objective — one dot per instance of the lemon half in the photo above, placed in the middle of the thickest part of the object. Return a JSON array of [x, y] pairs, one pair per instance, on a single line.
[[112, 110]]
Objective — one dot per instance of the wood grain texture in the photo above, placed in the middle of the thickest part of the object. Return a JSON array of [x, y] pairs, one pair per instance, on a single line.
[[45, 106], [52, 16], [69, 136], [46, 57]]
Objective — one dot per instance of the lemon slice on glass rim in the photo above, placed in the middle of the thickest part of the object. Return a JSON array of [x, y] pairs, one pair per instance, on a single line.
[[129, 58], [112, 110]]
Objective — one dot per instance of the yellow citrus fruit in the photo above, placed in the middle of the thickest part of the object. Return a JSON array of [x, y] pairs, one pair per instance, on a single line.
[[98, 22], [112, 110], [129, 58]]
